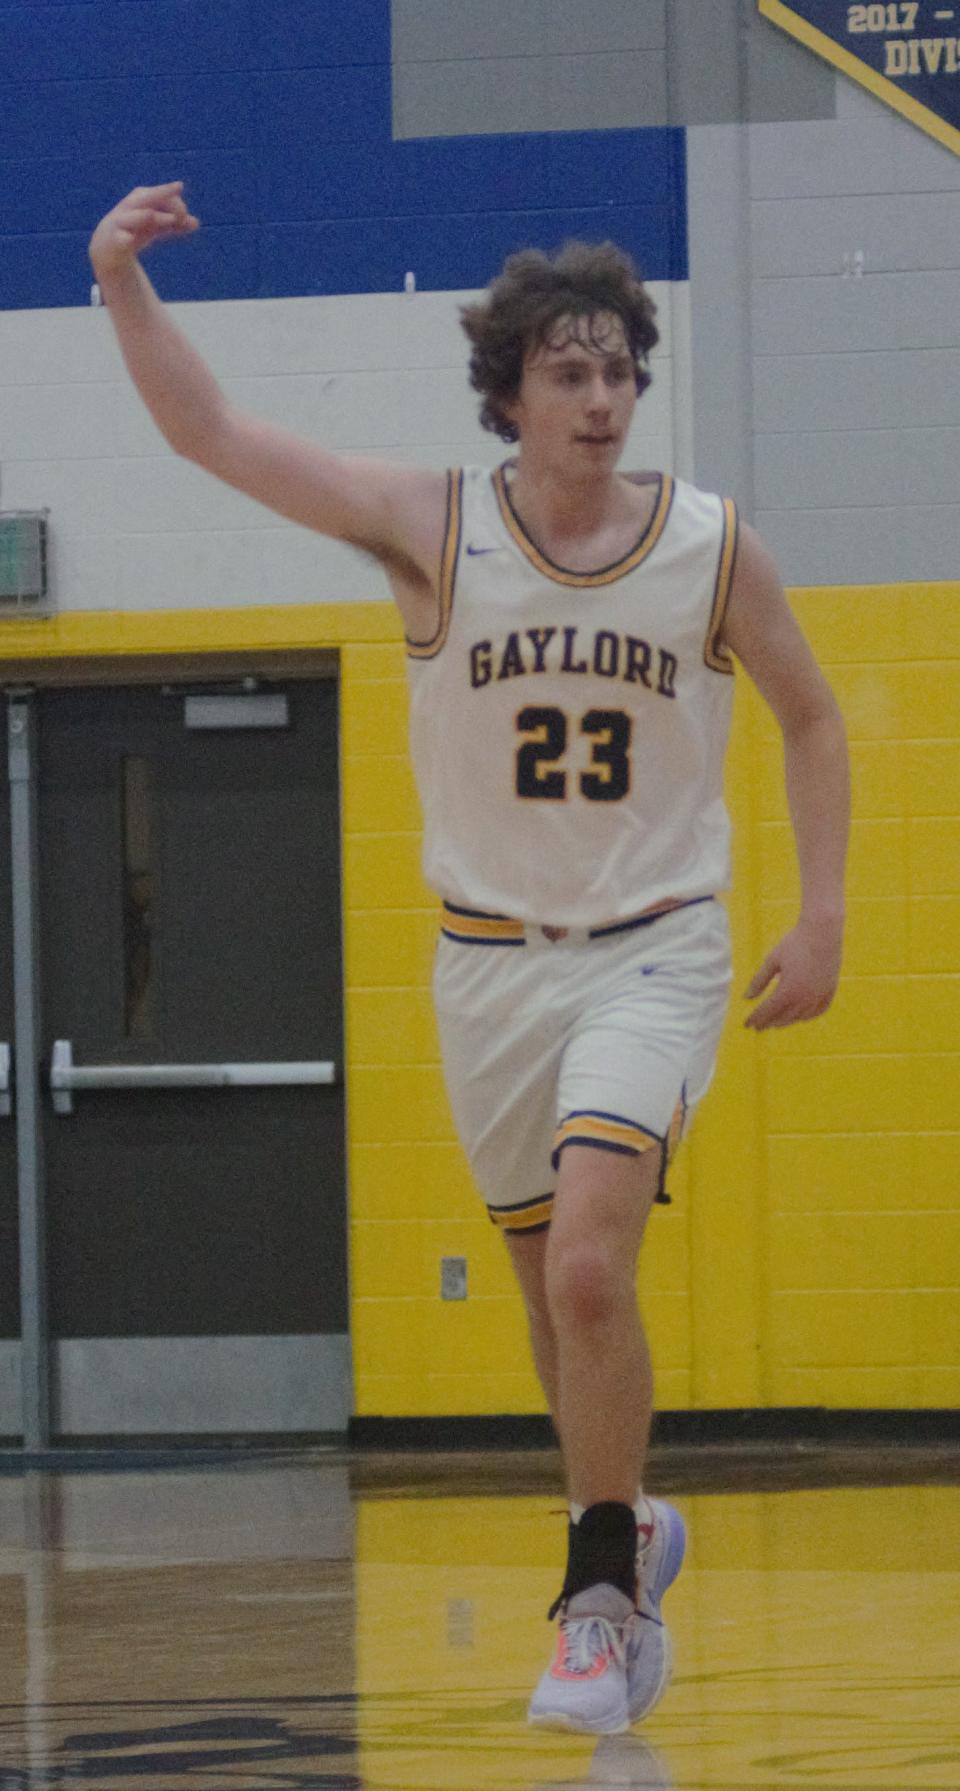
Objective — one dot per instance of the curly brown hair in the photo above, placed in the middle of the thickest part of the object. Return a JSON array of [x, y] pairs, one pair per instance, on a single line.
[[527, 300]]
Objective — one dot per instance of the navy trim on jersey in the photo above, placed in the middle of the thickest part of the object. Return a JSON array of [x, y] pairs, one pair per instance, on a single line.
[[646, 920], [474, 913], [468, 939]]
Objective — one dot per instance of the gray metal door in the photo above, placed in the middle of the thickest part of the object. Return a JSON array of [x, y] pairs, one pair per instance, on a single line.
[[9, 1227], [189, 896]]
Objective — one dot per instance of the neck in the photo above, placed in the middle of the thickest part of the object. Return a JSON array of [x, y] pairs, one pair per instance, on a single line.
[[552, 502]]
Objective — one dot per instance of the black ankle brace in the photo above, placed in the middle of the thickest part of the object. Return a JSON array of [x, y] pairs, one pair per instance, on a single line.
[[601, 1548]]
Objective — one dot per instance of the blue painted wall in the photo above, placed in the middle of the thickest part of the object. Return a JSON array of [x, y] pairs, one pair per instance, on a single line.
[[278, 117]]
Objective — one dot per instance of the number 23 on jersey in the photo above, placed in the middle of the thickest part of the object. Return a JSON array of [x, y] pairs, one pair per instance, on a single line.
[[539, 771]]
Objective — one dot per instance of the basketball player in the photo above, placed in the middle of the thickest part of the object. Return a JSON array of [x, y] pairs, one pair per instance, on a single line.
[[571, 635]]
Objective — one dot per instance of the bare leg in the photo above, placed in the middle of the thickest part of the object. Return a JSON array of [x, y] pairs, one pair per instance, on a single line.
[[529, 1258], [589, 1347], [604, 1379]]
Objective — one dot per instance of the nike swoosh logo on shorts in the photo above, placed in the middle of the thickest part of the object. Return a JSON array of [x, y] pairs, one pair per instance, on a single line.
[[473, 550]]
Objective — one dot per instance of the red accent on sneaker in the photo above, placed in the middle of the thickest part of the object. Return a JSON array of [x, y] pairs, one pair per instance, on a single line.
[[560, 1670]]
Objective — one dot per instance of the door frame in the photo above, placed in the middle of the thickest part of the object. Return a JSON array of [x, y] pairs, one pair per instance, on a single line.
[[178, 648]]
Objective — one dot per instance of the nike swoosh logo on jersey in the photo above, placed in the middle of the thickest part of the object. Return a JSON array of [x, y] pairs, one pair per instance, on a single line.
[[473, 550]]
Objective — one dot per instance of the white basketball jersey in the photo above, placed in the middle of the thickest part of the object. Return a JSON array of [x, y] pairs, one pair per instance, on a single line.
[[568, 729]]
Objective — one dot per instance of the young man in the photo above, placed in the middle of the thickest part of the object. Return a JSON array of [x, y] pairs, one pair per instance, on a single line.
[[570, 636]]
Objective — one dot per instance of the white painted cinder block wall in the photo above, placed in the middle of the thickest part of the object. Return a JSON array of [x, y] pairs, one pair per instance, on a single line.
[[135, 528]]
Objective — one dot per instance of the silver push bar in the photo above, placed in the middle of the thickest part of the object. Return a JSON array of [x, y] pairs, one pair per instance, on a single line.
[[65, 1076]]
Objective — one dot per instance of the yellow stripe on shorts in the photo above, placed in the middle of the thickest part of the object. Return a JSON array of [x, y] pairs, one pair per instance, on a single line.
[[488, 929], [523, 1218], [604, 1129]]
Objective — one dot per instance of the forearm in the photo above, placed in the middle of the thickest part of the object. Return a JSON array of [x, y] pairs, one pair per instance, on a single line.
[[817, 770], [176, 386]]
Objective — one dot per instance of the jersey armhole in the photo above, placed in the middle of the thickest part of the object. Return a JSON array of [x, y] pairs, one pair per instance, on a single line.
[[716, 655], [449, 555]]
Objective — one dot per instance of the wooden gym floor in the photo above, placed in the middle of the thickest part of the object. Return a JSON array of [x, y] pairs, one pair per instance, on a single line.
[[329, 1622]]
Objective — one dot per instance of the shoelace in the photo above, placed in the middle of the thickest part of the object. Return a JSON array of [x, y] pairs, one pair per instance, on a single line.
[[586, 1637]]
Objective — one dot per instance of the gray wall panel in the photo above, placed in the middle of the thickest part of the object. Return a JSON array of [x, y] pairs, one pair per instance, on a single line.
[[919, 164], [10, 1406], [881, 154], [898, 231], [727, 63], [856, 380], [797, 161], [545, 93], [850, 468], [705, 61], [180, 1385], [608, 92], [915, 388], [605, 24], [824, 315], [856, 547], [458, 30], [857, 104], [785, 80], [720, 311]]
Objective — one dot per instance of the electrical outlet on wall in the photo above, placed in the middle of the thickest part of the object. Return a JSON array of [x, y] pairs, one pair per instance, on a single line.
[[453, 1277]]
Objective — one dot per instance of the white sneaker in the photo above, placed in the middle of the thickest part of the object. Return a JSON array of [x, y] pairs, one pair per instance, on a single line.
[[660, 1555], [585, 1686], [622, 1760], [626, 1760]]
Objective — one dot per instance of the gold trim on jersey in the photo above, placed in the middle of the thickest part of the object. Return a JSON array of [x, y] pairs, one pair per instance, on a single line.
[[472, 928], [715, 654], [529, 1215], [606, 575], [448, 569]]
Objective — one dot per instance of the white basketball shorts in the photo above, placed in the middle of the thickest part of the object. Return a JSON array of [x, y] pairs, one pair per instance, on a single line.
[[605, 1038]]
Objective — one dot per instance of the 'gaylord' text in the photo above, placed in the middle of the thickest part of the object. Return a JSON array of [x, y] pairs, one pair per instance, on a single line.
[[605, 654]]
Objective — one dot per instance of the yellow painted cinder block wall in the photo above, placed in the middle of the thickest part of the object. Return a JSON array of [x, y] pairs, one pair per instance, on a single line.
[[862, 1110], [812, 1254]]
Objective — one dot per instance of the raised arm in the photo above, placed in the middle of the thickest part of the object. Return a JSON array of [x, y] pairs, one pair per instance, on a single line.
[[762, 631], [393, 512]]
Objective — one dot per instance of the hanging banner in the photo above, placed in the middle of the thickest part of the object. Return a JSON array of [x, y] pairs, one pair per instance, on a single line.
[[907, 52]]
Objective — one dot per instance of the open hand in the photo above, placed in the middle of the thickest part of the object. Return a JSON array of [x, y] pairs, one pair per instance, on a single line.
[[145, 216], [807, 965]]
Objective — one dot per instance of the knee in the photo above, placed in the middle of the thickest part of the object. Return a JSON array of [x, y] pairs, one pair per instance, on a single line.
[[585, 1287]]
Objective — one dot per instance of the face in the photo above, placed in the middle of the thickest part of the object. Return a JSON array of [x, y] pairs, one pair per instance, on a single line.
[[578, 394]]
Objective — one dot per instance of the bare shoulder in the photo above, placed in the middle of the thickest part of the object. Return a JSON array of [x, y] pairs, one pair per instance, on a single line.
[[757, 610], [761, 629], [756, 576]]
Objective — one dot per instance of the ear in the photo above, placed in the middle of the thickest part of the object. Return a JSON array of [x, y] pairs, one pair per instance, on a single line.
[[511, 410], [508, 408]]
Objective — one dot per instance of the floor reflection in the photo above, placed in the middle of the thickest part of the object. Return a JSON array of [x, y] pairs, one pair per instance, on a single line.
[[303, 1624]]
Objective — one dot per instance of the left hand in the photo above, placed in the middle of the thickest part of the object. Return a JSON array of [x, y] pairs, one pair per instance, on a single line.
[[807, 965]]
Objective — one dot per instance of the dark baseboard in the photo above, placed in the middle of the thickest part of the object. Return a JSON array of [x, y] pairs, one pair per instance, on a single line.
[[810, 1426], [145, 1453], [532, 1431], [760, 1428]]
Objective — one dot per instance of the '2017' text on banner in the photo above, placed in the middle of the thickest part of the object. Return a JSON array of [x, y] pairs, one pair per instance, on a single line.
[[907, 52]]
